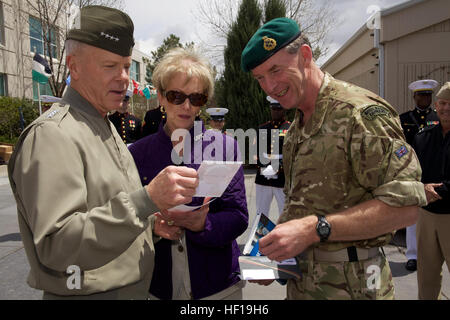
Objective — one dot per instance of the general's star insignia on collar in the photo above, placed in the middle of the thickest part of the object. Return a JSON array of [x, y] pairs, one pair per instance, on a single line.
[[52, 114]]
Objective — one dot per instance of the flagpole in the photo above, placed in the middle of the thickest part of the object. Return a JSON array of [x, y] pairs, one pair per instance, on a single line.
[[132, 105], [39, 97]]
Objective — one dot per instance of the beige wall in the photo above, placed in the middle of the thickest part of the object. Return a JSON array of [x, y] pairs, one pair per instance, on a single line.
[[417, 46], [421, 55], [362, 72]]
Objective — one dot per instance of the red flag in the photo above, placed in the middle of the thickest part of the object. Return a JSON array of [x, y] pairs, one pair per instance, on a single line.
[[136, 87]]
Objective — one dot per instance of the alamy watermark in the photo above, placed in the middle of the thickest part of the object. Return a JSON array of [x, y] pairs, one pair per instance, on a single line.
[[74, 280], [217, 148], [374, 280]]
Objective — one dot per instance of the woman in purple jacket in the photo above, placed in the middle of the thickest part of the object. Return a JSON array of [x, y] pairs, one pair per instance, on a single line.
[[204, 262]]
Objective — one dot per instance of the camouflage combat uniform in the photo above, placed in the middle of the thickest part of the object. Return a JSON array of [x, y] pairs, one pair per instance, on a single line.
[[350, 151]]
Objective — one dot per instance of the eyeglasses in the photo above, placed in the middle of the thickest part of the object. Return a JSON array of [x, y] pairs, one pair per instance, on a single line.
[[196, 99]]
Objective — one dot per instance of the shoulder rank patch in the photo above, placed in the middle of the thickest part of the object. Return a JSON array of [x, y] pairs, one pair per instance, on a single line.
[[432, 123], [400, 152], [374, 111], [52, 114]]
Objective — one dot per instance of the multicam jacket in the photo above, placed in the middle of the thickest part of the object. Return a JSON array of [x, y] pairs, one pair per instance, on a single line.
[[351, 150]]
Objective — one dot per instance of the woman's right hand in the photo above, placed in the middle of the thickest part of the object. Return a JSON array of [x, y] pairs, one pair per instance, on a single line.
[[164, 230], [190, 220]]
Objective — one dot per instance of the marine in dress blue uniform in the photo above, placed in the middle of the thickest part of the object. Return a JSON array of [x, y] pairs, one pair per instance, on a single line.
[[422, 116], [217, 121], [152, 120], [270, 181], [128, 126]]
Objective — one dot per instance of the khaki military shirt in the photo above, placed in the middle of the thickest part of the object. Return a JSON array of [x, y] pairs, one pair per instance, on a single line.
[[80, 203], [351, 150]]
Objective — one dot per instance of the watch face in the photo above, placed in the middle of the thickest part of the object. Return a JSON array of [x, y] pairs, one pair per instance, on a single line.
[[323, 229]]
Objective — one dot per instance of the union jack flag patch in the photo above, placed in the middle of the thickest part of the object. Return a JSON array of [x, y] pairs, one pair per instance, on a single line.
[[401, 152]]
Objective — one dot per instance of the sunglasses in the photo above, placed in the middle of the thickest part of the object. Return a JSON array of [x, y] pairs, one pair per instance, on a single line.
[[196, 99]]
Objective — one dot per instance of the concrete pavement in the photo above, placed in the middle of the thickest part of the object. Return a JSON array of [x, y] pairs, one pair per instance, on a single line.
[[14, 265]]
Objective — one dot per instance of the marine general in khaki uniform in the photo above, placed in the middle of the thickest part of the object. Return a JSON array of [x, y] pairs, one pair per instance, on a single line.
[[85, 219], [351, 179]]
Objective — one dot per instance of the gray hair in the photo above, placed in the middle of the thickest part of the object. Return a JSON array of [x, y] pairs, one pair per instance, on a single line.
[[73, 46], [293, 47]]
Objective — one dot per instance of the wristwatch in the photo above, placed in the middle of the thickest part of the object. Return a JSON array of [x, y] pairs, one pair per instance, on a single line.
[[323, 228]]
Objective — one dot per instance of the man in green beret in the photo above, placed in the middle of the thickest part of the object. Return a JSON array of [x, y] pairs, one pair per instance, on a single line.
[[86, 221], [351, 179]]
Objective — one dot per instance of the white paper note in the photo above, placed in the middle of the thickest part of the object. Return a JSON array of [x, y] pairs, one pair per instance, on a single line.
[[215, 176], [257, 274], [185, 208]]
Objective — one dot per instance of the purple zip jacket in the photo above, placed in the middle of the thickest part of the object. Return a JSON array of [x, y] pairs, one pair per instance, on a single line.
[[212, 253]]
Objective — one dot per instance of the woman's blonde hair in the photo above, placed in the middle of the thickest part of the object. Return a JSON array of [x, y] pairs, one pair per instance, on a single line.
[[187, 61]]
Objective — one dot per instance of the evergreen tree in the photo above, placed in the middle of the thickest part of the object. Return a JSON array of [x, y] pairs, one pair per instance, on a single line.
[[172, 41], [237, 90], [274, 9]]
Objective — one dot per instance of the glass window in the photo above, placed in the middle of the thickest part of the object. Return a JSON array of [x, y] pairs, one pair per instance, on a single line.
[[45, 90], [37, 38], [3, 85], [134, 71]]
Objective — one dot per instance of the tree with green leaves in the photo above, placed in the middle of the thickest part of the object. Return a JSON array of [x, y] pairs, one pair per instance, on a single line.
[[237, 91], [315, 18], [52, 24], [172, 41], [274, 9]]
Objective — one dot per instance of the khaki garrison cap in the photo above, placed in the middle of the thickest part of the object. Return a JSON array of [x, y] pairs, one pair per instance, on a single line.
[[105, 28], [444, 92]]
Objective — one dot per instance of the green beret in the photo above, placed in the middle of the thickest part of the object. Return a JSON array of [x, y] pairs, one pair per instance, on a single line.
[[106, 28], [268, 40]]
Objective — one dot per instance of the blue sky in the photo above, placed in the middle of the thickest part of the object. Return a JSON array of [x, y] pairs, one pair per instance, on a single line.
[[155, 20]]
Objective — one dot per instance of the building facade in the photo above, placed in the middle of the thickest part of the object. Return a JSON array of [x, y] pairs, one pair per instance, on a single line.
[[411, 43], [22, 33]]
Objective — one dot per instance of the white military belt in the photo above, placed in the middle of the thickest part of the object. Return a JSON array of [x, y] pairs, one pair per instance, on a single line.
[[273, 156], [348, 254]]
